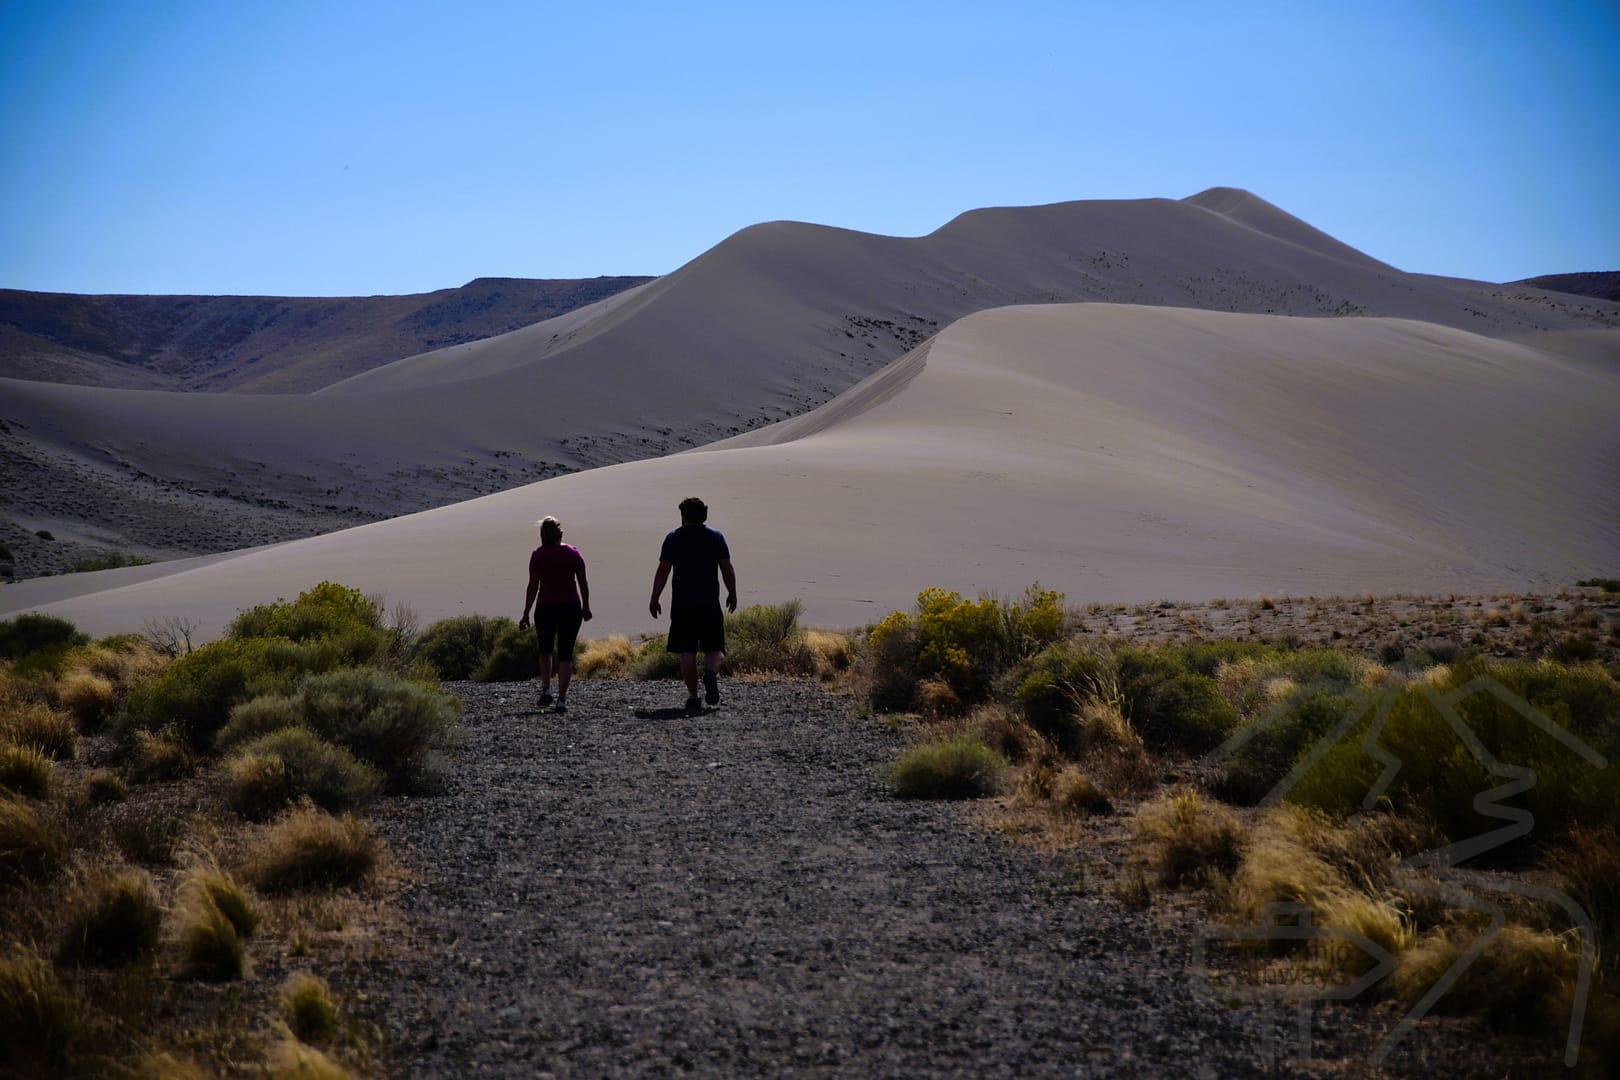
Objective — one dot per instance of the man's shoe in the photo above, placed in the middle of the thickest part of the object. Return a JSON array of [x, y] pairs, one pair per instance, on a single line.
[[711, 687], [545, 698], [562, 706], [693, 705]]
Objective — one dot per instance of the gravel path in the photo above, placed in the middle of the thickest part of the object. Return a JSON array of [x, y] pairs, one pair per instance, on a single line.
[[625, 891]]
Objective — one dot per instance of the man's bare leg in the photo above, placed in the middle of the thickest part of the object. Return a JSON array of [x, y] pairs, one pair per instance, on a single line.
[[689, 673]]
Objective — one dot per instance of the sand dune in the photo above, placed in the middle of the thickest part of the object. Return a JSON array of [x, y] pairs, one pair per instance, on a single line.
[[773, 321], [1119, 453]]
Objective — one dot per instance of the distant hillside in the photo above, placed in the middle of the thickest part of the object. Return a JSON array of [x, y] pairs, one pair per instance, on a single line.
[[1603, 284], [263, 344]]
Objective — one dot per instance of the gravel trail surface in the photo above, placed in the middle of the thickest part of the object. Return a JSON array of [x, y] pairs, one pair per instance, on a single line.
[[627, 891]]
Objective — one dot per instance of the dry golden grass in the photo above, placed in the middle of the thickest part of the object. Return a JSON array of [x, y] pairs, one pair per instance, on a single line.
[[1006, 733], [308, 1009], [25, 772], [307, 848], [1190, 840], [935, 698], [292, 1060], [115, 918], [39, 1019], [604, 656], [42, 727], [832, 650], [89, 698]]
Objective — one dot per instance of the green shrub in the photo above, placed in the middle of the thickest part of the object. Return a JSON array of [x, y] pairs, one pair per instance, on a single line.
[[310, 849], [39, 1022], [457, 647], [1059, 678], [958, 768], [400, 727], [30, 848], [513, 656], [1281, 737], [117, 921], [1440, 777], [197, 692], [25, 771], [654, 660], [275, 769], [767, 639], [32, 633], [308, 1008], [324, 612], [1607, 584], [259, 717], [965, 643], [1170, 707]]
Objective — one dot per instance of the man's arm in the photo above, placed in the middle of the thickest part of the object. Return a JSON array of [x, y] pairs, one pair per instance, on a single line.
[[729, 576], [658, 587]]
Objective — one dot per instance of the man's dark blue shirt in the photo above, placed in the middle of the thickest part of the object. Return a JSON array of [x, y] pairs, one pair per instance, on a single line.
[[695, 551]]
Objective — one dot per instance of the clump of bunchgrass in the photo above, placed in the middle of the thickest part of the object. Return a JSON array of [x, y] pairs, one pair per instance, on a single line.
[[43, 728], [116, 919], [25, 772], [1191, 840], [293, 1060], [600, 657], [206, 883], [307, 848], [103, 786], [154, 758], [962, 767], [283, 766], [39, 1020], [767, 639], [308, 1008], [210, 945]]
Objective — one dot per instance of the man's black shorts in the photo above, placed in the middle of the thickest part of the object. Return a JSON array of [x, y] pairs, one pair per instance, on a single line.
[[697, 629], [558, 625]]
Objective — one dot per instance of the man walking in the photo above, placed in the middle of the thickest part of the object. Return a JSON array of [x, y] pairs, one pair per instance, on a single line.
[[696, 553]]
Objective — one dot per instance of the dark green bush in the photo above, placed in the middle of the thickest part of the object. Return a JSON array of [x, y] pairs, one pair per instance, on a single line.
[[654, 660], [276, 769], [767, 638], [326, 611], [1169, 706], [1441, 777], [457, 648], [1282, 736], [197, 692], [959, 768], [513, 656], [401, 728], [1059, 678], [33, 632]]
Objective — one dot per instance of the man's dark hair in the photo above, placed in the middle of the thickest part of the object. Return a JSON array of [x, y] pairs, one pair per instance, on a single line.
[[694, 510]]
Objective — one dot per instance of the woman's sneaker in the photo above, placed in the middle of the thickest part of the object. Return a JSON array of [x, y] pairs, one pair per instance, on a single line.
[[711, 687]]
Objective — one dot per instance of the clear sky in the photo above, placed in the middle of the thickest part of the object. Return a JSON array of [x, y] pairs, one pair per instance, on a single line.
[[296, 147]]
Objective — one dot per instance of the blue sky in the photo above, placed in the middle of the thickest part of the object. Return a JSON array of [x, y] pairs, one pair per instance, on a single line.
[[304, 148]]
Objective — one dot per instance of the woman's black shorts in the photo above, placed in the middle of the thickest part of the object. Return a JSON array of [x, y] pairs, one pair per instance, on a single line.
[[557, 627]]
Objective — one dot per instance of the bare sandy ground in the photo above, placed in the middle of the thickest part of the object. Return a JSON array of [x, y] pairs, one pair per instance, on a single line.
[[1118, 453]]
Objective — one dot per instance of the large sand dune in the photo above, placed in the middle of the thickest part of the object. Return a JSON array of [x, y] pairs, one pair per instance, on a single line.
[[1115, 452], [771, 322]]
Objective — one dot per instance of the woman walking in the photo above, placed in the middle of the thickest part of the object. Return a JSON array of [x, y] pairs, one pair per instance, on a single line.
[[559, 607]]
